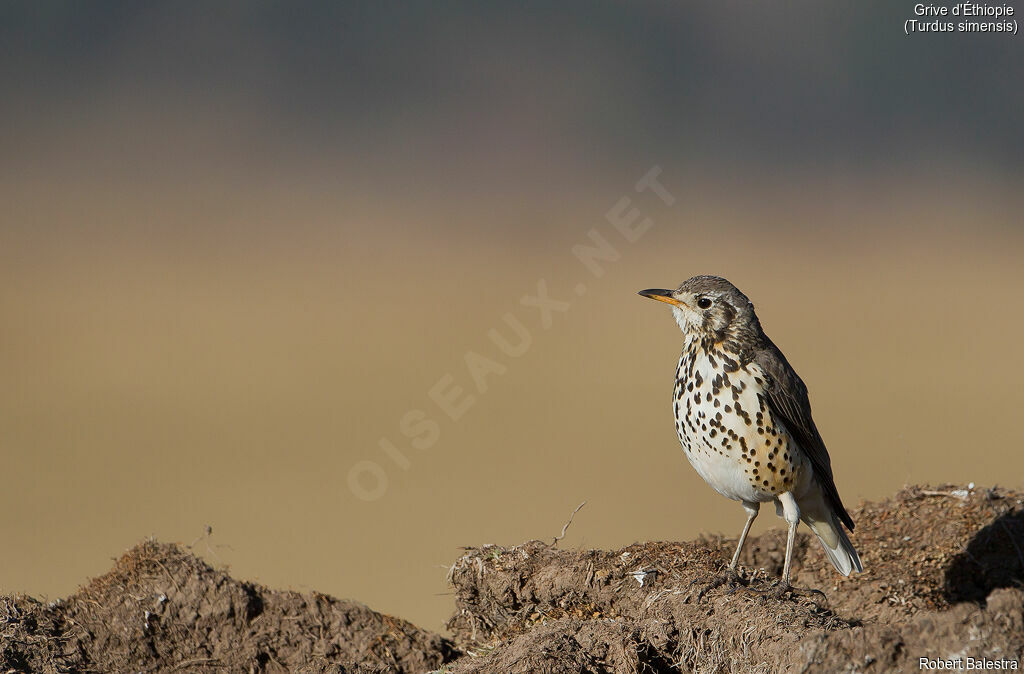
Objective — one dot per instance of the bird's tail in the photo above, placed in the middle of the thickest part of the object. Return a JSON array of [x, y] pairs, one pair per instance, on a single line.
[[827, 527]]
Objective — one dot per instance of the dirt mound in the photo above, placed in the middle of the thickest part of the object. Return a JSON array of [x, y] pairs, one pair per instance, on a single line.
[[162, 609], [943, 572]]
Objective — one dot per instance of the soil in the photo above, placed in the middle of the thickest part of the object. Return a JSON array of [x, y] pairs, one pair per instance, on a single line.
[[162, 609], [943, 578]]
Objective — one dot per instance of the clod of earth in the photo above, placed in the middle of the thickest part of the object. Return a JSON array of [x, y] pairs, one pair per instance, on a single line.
[[161, 609], [943, 574]]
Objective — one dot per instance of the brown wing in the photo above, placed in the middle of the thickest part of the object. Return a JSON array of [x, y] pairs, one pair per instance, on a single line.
[[787, 396]]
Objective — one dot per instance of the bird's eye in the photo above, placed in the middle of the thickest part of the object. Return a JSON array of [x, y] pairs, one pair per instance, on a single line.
[[703, 303]]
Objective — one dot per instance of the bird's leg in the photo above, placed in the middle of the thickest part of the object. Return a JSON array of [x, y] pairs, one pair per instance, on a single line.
[[730, 576], [752, 509], [791, 513], [788, 566]]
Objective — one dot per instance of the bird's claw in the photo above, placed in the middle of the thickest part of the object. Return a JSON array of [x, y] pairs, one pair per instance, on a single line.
[[727, 577], [779, 590], [782, 589]]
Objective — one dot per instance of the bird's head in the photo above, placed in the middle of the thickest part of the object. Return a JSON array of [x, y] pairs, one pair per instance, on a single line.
[[710, 306]]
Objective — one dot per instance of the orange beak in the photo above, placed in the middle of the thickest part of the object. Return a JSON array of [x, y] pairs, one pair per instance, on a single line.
[[662, 296]]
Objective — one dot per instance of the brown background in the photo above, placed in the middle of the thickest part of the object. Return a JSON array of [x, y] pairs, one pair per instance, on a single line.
[[239, 242]]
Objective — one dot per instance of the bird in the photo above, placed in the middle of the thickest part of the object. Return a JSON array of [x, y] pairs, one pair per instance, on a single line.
[[744, 421]]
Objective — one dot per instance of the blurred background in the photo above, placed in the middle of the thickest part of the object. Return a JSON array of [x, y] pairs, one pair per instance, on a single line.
[[242, 242]]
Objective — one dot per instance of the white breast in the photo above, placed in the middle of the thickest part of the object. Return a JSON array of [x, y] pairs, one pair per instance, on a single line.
[[727, 431]]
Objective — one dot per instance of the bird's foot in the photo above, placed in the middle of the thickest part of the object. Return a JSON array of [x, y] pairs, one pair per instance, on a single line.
[[728, 577], [781, 589]]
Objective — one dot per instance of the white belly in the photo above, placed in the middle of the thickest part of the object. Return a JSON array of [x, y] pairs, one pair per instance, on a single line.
[[730, 436]]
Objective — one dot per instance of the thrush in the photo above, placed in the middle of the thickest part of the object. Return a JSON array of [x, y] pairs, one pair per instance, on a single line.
[[744, 420]]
